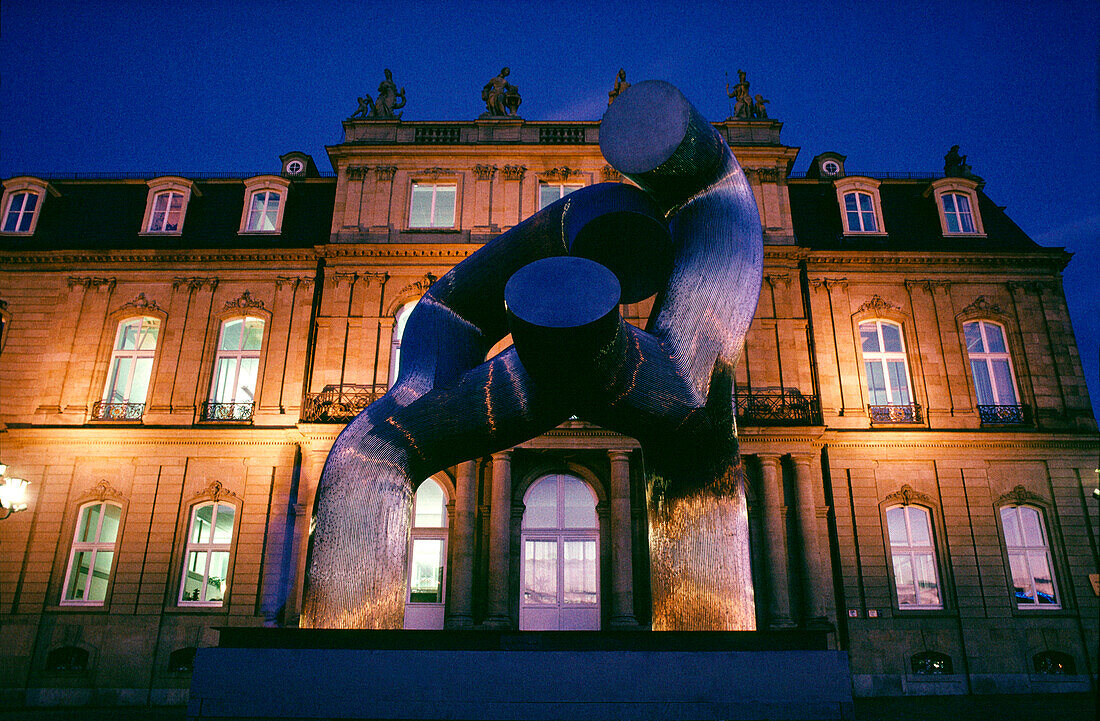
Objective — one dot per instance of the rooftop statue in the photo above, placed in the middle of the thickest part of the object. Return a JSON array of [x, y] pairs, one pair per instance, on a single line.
[[620, 86], [954, 165], [389, 99], [745, 106], [501, 97]]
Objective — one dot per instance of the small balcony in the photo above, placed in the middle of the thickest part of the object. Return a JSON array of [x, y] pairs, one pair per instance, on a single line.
[[777, 407], [1003, 415], [904, 413], [227, 411], [104, 411], [339, 402]]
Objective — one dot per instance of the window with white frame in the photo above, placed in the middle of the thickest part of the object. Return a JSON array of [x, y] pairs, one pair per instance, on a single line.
[[1029, 557], [859, 211], [860, 205], [957, 203], [130, 369], [990, 364], [263, 212], [206, 555], [957, 214], [433, 205], [885, 364], [428, 556], [913, 556], [236, 368], [92, 555], [553, 192], [399, 320], [166, 214], [19, 215]]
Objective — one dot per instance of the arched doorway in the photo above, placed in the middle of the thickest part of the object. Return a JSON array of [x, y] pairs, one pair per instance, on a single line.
[[425, 603], [560, 558]]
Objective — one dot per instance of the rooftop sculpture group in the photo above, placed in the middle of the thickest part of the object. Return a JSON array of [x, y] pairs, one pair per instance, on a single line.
[[689, 231], [746, 107], [501, 97], [389, 99]]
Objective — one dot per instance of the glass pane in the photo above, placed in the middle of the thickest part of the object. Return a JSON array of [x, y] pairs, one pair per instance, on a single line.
[[127, 335], [548, 194], [246, 380], [542, 504], [120, 378], [853, 221], [1044, 583], [928, 592], [253, 334], [918, 526], [1002, 377], [223, 523], [11, 222], [219, 571], [981, 382], [160, 204], [891, 338], [150, 328], [869, 223], [949, 203], [952, 220], [903, 578], [426, 571], [17, 202], [865, 202], [876, 384], [578, 504], [868, 334], [444, 206], [201, 524], [899, 385], [850, 202], [580, 572], [540, 573], [101, 573], [193, 574], [223, 380], [108, 533], [973, 335], [172, 221], [996, 338], [1011, 526], [89, 523], [1033, 529], [78, 575], [895, 522], [430, 506], [420, 214], [139, 386], [1021, 577], [231, 335]]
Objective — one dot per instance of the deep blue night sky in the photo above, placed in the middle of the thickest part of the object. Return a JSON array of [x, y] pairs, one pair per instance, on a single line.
[[210, 87]]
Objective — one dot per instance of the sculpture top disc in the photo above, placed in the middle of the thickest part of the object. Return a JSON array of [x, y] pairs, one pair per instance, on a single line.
[[644, 126]]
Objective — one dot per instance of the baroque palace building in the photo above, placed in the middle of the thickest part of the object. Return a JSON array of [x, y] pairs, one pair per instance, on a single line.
[[179, 354]]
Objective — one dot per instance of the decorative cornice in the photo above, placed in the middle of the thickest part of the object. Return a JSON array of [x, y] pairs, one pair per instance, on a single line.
[[385, 172], [908, 496], [281, 280], [562, 173], [243, 302], [513, 172], [141, 303], [484, 172], [981, 305], [609, 174], [103, 491], [357, 172], [877, 304], [435, 172], [193, 284], [216, 491], [92, 282], [1019, 496]]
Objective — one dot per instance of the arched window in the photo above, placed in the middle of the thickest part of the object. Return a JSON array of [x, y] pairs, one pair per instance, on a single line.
[[559, 583], [931, 663], [92, 554], [427, 557], [859, 211], [913, 556], [130, 370], [206, 556], [400, 319], [236, 368], [887, 370], [957, 214], [1029, 557], [263, 212], [166, 212], [20, 212], [991, 368]]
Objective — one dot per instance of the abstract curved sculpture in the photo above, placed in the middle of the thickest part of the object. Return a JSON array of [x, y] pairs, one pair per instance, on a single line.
[[691, 234]]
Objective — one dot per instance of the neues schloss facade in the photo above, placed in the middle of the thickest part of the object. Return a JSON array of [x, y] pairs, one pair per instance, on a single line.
[[178, 355]]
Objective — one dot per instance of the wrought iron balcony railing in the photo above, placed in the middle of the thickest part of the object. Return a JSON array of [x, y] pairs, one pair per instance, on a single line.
[[339, 403], [227, 411], [1003, 415], [909, 413], [779, 407], [104, 411]]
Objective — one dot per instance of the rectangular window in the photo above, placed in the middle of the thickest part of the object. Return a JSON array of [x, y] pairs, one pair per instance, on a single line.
[[860, 210], [553, 192], [433, 206], [956, 210], [236, 370], [540, 581], [20, 212], [92, 555], [913, 557], [1029, 557], [167, 209], [579, 571], [426, 575], [206, 557]]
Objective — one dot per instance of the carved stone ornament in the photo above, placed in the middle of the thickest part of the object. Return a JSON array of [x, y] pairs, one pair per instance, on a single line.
[[92, 282], [282, 280], [562, 173], [484, 172], [513, 172], [193, 284], [1019, 496], [981, 305], [610, 175], [766, 175], [435, 172], [216, 491], [421, 285], [775, 278], [908, 496], [103, 491], [141, 303], [385, 172], [357, 172], [244, 301], [877, 304]]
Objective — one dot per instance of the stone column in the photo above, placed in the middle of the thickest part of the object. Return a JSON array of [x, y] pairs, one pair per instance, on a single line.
[[460, 607], [622, 564], [500, 529], [817, 584], [775, 538]]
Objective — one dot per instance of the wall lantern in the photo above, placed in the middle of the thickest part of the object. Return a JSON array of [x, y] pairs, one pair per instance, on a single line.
[[13, 493]]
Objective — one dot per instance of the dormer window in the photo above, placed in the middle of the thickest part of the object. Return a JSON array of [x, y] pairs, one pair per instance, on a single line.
[[166, 206], [265, 199], [957, 203], [22, 201], [860, 206]]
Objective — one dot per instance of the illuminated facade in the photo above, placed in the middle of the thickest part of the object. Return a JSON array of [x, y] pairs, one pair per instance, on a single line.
[[179, 355]]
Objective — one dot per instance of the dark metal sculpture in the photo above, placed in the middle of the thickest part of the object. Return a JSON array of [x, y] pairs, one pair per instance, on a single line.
[[691, 234]]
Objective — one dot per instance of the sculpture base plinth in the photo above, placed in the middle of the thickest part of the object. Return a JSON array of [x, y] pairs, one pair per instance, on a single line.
[[291, 673]]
